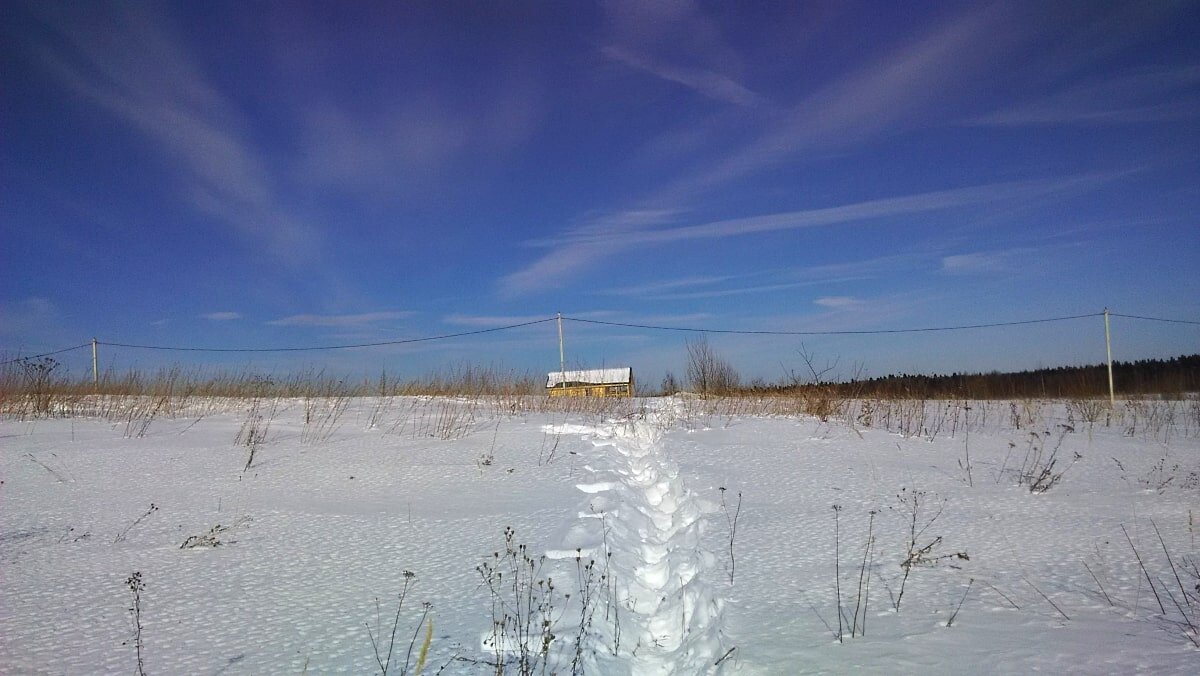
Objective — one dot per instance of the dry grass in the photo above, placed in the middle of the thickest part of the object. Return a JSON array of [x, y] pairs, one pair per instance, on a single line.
[[452, 402]]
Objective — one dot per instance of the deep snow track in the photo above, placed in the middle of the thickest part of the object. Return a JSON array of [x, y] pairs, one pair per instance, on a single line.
[[651, 524]]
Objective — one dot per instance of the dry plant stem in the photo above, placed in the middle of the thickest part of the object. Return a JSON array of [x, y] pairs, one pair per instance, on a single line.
[[1144, 572], [135, 584], [864, 575], [837, 568], [257, 424], [911, 503], [59, 477], [1003, 595], [322, 415], [731, 521], [1089, 570], [1192, 632], [586, 576], [524, 606], [1043, 595], [611, 611], [967, 452], [385, 661], [950, 622], [412, 642], [121, 536], [1171, 563], [549, 457]]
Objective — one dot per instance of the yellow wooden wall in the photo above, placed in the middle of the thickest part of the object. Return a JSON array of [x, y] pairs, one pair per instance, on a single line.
[[616, 390]]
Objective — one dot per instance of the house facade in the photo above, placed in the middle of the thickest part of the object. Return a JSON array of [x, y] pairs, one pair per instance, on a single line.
[[615, 382]]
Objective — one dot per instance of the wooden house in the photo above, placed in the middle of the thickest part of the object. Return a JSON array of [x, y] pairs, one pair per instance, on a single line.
[[617, 382]]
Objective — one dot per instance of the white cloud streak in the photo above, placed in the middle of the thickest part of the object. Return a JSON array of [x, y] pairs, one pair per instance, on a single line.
[[839, 302], [1151, 95], [126, 62], [705, 82], [665, 286], [973, 263], [581, 250], [490, 321], [737, 291], [787, 279], [348, 320], [221, 316], [892, 92]]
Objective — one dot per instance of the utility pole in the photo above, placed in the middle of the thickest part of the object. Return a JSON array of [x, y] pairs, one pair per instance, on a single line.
[[562, 356], [1112, 397], [95, 365]]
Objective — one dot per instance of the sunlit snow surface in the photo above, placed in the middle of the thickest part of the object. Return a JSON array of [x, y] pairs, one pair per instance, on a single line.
[[322, 531]]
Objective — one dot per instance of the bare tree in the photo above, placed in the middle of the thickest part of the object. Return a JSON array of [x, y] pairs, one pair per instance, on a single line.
[[669, 385], [707, 373]]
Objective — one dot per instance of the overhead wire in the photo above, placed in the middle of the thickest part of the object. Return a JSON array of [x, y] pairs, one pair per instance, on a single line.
[[328, 347], [834, 333], [601, 322], [44, 354], [1155, 319]]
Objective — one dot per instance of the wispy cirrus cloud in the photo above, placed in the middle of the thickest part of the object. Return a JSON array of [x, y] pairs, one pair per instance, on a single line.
[[612, 225], [705, 82], [128, 63], [974, 263], [735, 291], [669, 320], [889, 93], [491, 321], [221, 316], [401, 146], [1147, 95], [934, 77], [581, 254], [1012, 259], [347, 320], [669, 285], [696, 288], [582, 249], [839, 302]]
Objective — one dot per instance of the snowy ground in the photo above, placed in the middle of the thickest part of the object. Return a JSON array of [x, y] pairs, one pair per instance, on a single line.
[[321, 527]]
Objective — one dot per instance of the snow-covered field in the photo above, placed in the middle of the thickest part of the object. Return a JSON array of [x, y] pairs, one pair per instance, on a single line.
[[713, 531]]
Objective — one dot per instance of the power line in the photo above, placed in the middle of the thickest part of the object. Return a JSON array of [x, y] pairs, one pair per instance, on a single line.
[[836, 333], [1155, 319], [45, 354], [327, 347], [604, 323]]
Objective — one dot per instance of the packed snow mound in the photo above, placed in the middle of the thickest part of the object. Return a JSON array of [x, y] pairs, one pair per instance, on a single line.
[[650, 530]]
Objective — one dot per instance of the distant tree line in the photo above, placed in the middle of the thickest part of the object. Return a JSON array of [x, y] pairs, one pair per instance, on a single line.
[[1146, 376]]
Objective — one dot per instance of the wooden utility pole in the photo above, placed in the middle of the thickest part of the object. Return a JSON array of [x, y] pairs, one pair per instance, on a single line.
[[95, 365], [562, 355], [1112, 397]]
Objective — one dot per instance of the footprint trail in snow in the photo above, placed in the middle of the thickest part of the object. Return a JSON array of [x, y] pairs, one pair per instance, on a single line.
[[642, 515]]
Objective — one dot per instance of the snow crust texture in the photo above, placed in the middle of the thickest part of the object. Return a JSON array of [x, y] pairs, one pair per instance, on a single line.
[[296, 561]]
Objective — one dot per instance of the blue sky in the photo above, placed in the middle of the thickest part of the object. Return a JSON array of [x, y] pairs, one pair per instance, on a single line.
[[296, 174]]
